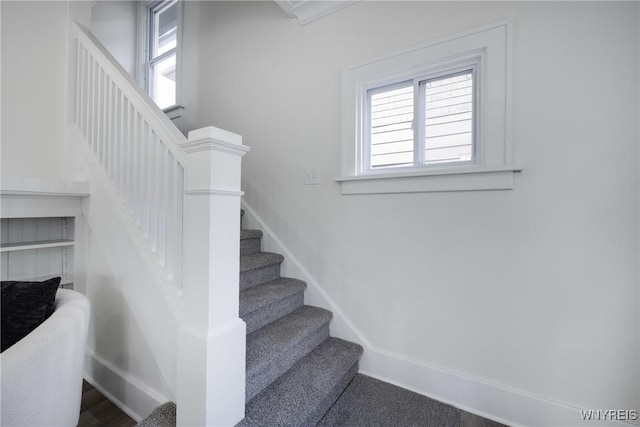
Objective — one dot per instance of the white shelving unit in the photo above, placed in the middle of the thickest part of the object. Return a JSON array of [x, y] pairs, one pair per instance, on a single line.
[[24, 246], [36, 249], [39, 229]]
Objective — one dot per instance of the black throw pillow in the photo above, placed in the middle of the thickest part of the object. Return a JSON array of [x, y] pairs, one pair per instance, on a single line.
[[25, 305]]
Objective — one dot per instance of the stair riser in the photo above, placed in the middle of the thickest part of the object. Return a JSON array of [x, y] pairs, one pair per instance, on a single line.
[[249, 246], [272, 312], [263, 376], [259, 275], [331, 398]]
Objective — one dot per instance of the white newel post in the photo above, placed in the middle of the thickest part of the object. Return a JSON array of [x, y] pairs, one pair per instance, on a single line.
[[211, 356]]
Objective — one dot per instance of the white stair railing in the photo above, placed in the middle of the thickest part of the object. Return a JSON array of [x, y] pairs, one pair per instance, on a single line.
[[158, 174], [137, 146]]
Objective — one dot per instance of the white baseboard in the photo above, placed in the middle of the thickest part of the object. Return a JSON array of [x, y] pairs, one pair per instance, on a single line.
[[119, 387], [497, 402], [494, 401]]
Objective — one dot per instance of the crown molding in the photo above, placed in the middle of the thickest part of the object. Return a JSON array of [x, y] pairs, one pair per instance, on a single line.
[[306, 11]]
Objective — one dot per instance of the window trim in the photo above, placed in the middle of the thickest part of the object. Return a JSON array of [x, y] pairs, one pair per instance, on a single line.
[[493, 169], [144, 66]]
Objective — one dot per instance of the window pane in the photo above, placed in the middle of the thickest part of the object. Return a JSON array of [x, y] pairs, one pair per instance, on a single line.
[[449, 118], [164, 29], [392, 127], [163, 82]]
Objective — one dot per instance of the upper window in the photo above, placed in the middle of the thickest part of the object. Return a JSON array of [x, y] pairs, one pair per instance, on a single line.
[[428, 120], [161, 47], [431, 118]]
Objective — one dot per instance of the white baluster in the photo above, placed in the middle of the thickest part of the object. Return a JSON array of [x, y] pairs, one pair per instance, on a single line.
[[117, 152], [92, 97], [178, 224], [81, 88], [137, 165], [85, 92], [151, 188], [161, 205], [126, 117], [104, 104], [78, 79], [99, 109]]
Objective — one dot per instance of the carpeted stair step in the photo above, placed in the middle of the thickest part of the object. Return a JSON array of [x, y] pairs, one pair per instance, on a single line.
[[265, 303], [163, 416], [303, 395], [250, 241], [276, 347], [259, 268]]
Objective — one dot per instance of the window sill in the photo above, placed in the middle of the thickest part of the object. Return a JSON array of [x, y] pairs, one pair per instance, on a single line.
[[174, 111], [437, 180]]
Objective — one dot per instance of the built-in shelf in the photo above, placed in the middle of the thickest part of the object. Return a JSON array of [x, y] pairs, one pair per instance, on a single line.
[[38, 228], [35, 249], [23, 246]]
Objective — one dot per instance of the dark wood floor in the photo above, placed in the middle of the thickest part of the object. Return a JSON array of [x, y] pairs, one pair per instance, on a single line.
[[97, 410]]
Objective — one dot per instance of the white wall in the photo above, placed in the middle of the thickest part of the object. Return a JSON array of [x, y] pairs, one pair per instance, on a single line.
[[34, 43], [533, 290], [115, 24], [119, 360]]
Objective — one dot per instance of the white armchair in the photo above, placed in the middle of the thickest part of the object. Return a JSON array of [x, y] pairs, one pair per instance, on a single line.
[[41, 375]]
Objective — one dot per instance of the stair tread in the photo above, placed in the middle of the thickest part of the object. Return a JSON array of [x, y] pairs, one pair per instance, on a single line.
[[265, 344], [260, 259], [293, 397], [250, 234], [260, 296]]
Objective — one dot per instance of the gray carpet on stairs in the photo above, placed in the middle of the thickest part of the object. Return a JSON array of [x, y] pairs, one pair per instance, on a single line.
[[276, 347], [162, 416], [368, 402], [259, 268], [303, 394], [270, 301]]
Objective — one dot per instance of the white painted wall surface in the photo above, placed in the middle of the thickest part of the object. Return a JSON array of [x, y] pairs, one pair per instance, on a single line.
[[533, 290], [115, 24], [33, 87], [119, 359]]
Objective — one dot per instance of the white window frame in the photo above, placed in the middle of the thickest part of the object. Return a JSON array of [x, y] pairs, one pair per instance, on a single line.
[[419, 116], [488, 49], [143, 76]]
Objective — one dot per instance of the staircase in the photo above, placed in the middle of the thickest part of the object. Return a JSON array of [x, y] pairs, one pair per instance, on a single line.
[[295, 370]]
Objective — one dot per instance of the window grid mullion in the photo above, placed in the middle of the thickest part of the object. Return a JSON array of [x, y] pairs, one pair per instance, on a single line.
[[366, 155], [418, 122], [162, 57]]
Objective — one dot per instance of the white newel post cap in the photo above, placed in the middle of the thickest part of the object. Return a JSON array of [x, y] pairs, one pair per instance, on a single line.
[[211, 132], [213, 138]]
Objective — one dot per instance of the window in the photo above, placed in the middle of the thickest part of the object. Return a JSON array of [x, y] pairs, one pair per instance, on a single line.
[[160, 47], [420, 122], [430, 118]]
